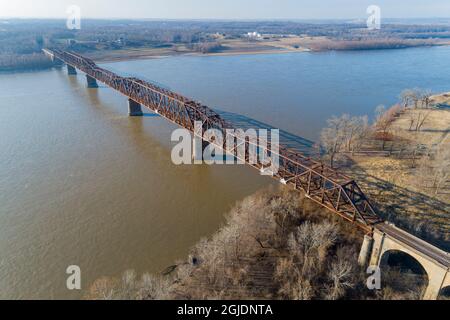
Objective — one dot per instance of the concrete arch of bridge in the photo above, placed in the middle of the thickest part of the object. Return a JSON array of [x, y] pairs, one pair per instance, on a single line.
[[444, 294], [402, 260], [399, 268], [438, 275]]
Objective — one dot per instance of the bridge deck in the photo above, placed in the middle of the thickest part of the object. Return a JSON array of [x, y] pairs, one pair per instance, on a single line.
[[416, 244]]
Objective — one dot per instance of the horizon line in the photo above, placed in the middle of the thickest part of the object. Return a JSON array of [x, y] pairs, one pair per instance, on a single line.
[[223, 19]]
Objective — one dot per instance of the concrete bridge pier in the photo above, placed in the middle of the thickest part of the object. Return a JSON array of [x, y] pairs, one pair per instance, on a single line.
[[91, 82], [71, 70], [366, 251], [134, 108], [198, 147], [436, 282], [198, 144], [198, 150]]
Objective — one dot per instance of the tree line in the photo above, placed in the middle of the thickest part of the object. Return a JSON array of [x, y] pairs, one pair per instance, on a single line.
[[351, 134], [275, 245]]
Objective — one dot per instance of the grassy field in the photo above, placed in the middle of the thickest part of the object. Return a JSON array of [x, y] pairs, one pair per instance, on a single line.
[[398, 185]]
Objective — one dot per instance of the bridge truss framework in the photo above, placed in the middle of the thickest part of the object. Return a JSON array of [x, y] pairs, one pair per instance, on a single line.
[[322, 184]]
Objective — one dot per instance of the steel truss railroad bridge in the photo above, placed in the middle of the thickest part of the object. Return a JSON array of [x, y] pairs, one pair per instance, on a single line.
[[337, 192], [320, 183]]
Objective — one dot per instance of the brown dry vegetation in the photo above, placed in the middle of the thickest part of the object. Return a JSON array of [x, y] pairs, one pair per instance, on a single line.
[[403, 163], [367, 44], [413, 188], [274, 245], [13, 62]]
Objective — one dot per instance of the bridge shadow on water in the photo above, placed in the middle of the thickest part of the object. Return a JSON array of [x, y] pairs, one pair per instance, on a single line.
[[142, 139], [150, 115], [287, 139]]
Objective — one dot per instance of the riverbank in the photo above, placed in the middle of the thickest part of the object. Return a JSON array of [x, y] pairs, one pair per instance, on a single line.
[[410, 181], [229, 47], [24, 62], [224, 47]]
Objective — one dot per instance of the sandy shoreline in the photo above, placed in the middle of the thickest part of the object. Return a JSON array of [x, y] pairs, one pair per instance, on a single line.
[[229, 47], [129, 55], [143, 54], [234, 47]]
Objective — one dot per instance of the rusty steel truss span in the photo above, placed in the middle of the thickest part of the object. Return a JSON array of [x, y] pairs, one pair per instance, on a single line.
[[321, 183]]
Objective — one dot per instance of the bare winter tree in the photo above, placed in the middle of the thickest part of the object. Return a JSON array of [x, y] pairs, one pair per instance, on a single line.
[[152, 287], [308, 247], [421, 118], [358, 132], [332, 137], [425, 97], [418, 98], [441, 170], [384, 120], [418, 117], [434, 171], [412, 119], [343, 133], [380, 110], [408, 97], [341, 272]]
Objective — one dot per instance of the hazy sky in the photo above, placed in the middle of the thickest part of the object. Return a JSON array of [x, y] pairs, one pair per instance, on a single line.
[[226, 9]]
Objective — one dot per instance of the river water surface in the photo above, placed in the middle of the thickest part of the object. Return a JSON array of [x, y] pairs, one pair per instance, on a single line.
[[83, 184]]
